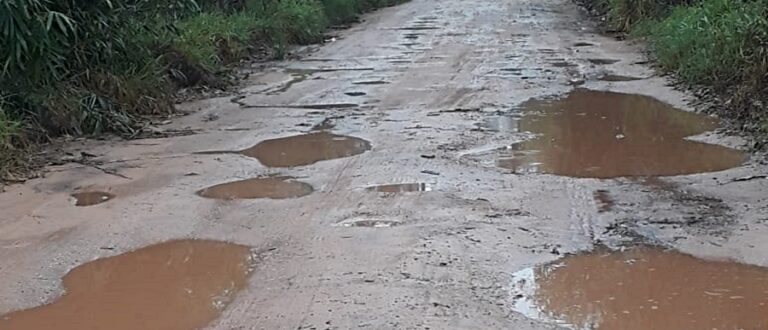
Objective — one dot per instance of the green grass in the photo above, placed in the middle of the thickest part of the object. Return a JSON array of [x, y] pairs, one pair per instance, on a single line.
[[717, 42], [92, 67]]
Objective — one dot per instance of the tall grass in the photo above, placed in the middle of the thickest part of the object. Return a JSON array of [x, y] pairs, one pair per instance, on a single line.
[[87, 67], [722, 44]]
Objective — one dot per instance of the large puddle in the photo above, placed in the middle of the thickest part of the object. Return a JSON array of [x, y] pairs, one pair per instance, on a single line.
[[604, 134], [174, 285], [306, 149], [272, 187], [644, 288]]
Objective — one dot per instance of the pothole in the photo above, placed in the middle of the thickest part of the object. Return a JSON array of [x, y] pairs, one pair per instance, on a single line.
[[563, 64], [602, 61], [89, 198], [603, 200], [371, 82], [615, 77], [401, 188], [269, 187], [176, 285], [300, 75], [604, 135], [371, 223], [583, 44], [323, 106], [419, 28], [355, 94], [299, 150], [643, 288]]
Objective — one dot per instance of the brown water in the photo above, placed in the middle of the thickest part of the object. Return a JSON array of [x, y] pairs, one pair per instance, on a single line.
[[605, 134], [401, 188], [91, 198], [299, 150], [176, 285], [645, 288], [274, 187]]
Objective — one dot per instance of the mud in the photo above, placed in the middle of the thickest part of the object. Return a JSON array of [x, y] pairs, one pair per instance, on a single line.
[[271, 187], [605, 135], [644, 288], [92, 198], [401, 188], [174, 285], [300, 150]]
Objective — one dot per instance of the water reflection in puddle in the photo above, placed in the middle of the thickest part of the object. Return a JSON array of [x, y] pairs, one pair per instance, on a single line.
[[401, 188], [91, 198], [306, 149], [644, 288], [272, 187], [176, 285], [605, 134]]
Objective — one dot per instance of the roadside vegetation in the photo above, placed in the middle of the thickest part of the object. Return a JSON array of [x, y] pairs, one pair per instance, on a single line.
[[83, 67], [720, 44]]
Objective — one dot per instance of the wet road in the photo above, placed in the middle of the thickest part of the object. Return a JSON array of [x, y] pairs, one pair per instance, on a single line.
[[408, 175]]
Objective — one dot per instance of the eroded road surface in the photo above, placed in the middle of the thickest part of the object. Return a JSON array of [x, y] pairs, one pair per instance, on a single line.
[[445, 165]]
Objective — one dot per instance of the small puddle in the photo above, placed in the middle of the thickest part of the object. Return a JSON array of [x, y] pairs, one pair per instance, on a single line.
[[583, 44], [401, 188], [615, 77], [644, 288], [355, 94], [604, 135], [176, 285], [91, 198], [271, 187], [602, 61], [299, 150]]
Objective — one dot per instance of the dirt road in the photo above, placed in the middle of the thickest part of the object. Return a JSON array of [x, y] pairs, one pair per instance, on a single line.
[[512, 124]]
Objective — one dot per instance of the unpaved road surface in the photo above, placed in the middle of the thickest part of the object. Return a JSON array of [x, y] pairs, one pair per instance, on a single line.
[[438, 95]]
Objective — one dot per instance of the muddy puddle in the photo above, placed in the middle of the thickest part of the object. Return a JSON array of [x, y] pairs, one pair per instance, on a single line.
[[270, 187], [299, 150], [604, 135], [174, 285], [401, 188], [644, 288], [91, 198]]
